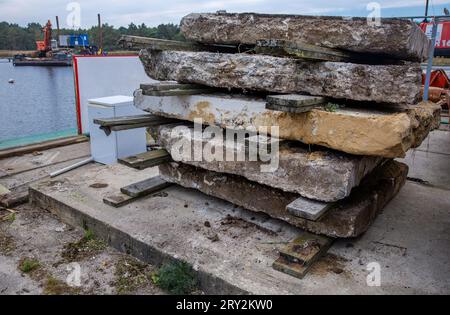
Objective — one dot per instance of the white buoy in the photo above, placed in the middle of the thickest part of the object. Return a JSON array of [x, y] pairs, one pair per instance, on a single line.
[[11, 81]]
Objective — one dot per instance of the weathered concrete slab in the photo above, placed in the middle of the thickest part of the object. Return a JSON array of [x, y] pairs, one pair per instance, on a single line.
[[395, 37], [399, 84], [355, 131], [157, 228], [347, 218], [317, 174]]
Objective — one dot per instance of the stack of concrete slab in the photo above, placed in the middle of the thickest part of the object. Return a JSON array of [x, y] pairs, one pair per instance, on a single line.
[[327, 166]]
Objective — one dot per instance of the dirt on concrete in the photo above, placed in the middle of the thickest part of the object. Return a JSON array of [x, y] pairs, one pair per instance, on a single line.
[[41, 255]]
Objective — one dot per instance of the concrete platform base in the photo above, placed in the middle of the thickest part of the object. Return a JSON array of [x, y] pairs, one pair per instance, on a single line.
[[409, 240]]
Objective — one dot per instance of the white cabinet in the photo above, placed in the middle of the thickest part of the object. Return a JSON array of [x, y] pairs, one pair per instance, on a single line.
[[107, 149]]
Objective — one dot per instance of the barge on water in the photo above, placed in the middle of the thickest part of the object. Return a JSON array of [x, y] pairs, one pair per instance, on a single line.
[[58, 60]]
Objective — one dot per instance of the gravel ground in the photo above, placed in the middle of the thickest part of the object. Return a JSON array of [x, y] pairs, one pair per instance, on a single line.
[[41, 255]]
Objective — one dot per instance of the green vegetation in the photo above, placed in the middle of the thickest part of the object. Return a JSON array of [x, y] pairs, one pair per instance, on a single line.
[[54, 286], [88, 235], [176, 278], [331, 107], [16, 37], [27, 265], [131, 275], [86, 247]]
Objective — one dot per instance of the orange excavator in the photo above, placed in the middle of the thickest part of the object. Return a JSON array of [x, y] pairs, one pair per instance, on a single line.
[[44, 47], [44, 54]]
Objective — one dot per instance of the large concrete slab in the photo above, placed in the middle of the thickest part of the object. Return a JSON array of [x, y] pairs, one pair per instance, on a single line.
[[409, 240], [395, 37], [318, 174], [355, 131], [395, 84], [347, 218]]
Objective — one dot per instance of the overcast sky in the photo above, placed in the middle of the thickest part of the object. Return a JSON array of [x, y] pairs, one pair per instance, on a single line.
[[154, 12]]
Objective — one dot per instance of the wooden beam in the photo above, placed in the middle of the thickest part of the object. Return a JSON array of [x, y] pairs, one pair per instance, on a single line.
[[118, 200], [168, 85], [284, 48], [130, 41], [145, 187], [16, 197], [135, 191], [308, 209], [125, 120], [147, 159], [135, 126], [297, 257], [294, 103], [131, 122], [177, 92], [41, 146]]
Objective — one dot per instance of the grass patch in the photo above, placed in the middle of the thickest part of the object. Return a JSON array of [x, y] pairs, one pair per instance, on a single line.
[[54, 286], [131, 275], [88, 235], [27, 265], [87, 246], [176, 278], [331, 107]]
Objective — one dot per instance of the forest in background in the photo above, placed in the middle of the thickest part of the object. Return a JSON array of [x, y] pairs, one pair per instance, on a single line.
[[16, 37]]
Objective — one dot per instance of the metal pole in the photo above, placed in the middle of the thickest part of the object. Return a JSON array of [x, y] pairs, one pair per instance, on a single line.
[[71, 167], [100, 41], [430, 59], [57, 31], [426, 8]]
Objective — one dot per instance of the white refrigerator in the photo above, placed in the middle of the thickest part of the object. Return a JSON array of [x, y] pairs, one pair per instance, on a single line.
[[107, 149]]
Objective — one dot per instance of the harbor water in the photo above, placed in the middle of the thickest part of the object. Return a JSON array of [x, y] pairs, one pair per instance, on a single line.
[[36, 103]]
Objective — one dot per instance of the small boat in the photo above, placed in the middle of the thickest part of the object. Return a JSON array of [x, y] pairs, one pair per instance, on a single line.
[[11, 81]]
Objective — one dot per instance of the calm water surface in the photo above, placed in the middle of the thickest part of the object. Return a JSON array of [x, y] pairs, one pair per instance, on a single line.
[[40, 102]]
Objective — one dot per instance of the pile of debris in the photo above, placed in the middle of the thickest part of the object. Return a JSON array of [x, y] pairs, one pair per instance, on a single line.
[[323, 103]]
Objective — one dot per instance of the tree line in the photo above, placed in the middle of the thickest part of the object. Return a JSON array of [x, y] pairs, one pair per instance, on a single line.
[[16, 37]]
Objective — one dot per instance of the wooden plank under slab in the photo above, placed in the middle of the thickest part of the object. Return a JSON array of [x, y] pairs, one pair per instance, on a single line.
[[284, 48], [308, 209], [168, 85], [294, 103], [125, 120], [147, 159], [145, 187]]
